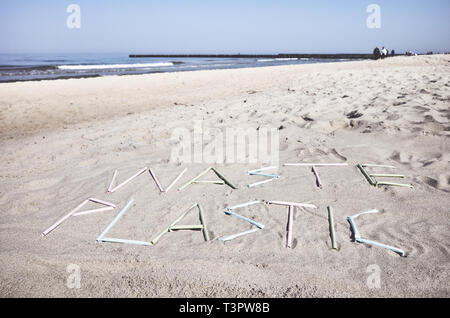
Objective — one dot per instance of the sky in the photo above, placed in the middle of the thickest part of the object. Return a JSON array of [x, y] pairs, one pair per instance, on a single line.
[[226, 26]]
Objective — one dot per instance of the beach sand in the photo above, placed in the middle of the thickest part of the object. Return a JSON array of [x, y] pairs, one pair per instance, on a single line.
[[62, 140]]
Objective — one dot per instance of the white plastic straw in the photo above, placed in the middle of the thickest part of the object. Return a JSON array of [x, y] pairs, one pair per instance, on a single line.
[[176, 179], [122, 241], [261, 182], [112, 181], [232, 237], [243, 205], [315, 164], [302, 205], [129, 179]]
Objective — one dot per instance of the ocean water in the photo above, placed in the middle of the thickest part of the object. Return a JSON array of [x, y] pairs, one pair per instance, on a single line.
[[29, 67]]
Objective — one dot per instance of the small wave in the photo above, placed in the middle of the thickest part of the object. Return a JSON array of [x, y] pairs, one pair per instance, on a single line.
[[112, 66], [278, 59]]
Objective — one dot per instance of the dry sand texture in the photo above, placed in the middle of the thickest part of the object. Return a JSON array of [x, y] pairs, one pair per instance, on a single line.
[[61, 141]]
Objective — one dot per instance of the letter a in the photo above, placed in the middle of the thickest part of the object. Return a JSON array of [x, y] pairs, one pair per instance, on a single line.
[[74, 20]]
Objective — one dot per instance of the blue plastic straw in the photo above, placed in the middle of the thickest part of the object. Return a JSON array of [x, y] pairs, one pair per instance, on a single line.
[[99, 239], [244, 218]]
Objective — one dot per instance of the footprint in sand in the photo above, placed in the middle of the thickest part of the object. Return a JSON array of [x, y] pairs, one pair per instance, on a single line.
[[442, 183]]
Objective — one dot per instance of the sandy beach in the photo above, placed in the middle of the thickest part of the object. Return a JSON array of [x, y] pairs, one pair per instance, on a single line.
[[62, 140]]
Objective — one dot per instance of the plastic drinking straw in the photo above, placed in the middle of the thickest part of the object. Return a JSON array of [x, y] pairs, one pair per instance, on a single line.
[[243, 205], [195, 179], [261, 169], [386, 175], [68, 215], [265, 175], [361, 240], [221, 176], [260, 182], [397, 250], [115, 240], [244, 218], [156, 239], [176, 179], [115, 219], [129, 179], [210, 181], [395, 184], [156, 180], [102, 202], [380, 166], [289, 231], [315, 164], [304, 205], [202, 220], [332, 233], [112, 180], [108, 208], [185, 227], [368, 177], [232, 237], [319, 184]]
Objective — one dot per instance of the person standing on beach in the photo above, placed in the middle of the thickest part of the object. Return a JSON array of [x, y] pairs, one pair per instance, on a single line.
[[376, 53], [383, 52]]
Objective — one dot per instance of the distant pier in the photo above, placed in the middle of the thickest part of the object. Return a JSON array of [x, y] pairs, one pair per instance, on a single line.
[[252, 56]]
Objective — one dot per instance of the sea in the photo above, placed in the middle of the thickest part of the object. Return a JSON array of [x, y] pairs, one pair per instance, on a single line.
[[35, 67]]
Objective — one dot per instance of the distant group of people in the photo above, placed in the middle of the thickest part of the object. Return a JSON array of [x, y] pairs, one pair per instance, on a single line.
[[383, 53]]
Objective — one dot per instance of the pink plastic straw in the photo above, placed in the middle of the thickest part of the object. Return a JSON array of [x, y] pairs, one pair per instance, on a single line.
[[108, 208], [289, 231], [156, 180], [129, 179], [57, 223], [176, 179], [102, 202], [319, 184]]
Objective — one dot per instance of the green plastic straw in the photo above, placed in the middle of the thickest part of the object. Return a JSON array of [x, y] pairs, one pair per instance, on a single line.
[[364, 172], [185, 227], [209, 181], [387, 175], [395, 184], [172, 225], [332, 232], [205, 230], [221, 176]]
